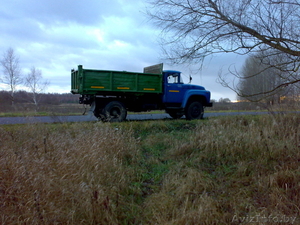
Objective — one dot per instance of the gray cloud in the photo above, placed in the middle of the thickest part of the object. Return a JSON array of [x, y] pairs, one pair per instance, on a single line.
[[80, 11]]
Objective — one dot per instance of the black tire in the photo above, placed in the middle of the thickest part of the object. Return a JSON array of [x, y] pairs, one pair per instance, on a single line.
[[175, 114], [114, 112], [194, 111]]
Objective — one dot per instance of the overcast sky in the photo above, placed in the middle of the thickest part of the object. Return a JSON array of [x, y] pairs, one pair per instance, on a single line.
[[57, 35]]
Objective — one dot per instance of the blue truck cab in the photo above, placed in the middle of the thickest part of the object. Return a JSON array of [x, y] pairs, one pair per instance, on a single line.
[[183, 99]]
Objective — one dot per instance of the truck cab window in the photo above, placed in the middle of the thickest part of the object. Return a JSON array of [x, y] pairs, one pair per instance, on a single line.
[[173, 79]]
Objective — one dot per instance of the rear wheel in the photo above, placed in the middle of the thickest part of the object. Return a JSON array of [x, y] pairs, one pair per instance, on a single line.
[[114, 111], [194, 110]]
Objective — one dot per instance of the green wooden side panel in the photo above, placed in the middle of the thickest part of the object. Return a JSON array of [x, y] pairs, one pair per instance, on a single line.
[[86, 81], [123, 81], [92, 80]]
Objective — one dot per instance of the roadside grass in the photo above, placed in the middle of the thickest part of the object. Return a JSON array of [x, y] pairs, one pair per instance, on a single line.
[[211, 171]]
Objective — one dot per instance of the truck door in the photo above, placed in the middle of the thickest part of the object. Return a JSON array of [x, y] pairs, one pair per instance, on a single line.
[[173, 88]]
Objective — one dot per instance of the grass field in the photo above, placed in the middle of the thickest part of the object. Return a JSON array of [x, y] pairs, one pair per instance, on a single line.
[[227, 170]]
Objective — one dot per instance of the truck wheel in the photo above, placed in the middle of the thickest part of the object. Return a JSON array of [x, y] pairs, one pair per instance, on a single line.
[[175, 114], [194, 110], [114, 112]]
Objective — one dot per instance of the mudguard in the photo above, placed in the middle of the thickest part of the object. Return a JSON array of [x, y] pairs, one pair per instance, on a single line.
[[200, 93]]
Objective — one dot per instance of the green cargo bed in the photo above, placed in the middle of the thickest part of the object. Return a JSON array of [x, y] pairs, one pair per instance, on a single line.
[[88, 81]]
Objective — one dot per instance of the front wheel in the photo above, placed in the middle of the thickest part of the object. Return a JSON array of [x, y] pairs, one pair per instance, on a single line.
[[114, 112], [194, 111]]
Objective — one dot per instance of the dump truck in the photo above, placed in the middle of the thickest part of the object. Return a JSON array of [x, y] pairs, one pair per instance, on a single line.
[[111, 94]]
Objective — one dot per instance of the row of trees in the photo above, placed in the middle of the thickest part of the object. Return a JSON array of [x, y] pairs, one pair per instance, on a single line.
[[12, 76], [24, 97], [268, 30]]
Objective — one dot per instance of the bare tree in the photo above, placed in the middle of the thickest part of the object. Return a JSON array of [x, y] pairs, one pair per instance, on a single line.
[[34, 81], [11, 71], [194, 29]]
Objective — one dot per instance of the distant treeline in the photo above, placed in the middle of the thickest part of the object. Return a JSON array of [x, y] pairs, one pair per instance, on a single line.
[[43, 98]]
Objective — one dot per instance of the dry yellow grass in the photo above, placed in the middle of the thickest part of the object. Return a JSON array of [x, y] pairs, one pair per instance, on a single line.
[[63, 174], [227, 170]]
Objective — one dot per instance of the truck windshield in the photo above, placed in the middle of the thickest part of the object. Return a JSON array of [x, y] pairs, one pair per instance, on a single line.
[[174, 79]]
